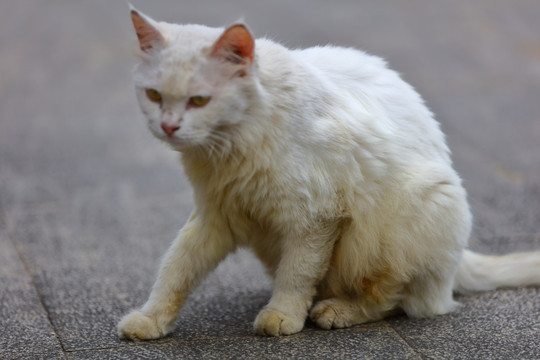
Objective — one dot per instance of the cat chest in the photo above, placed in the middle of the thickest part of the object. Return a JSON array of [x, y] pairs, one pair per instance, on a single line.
[[271, 208], [251, 201], [268, 198]]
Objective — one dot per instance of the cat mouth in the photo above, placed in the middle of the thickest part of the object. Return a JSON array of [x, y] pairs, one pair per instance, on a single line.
[[174, 141]]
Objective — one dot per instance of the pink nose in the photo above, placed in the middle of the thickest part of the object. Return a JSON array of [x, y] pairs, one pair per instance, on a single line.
[[169, 129]]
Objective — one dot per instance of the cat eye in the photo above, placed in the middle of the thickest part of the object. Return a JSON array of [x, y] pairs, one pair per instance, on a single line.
[[153, 95], [198, 101]]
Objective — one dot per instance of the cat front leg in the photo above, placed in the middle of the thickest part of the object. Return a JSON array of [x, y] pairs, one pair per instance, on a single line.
[[303, 263], [199, 247]]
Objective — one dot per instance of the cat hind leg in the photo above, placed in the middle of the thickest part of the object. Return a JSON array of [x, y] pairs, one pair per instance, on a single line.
[[427, 297]]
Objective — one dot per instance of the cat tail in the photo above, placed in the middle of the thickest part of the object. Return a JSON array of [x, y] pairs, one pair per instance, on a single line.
[[484, 272]]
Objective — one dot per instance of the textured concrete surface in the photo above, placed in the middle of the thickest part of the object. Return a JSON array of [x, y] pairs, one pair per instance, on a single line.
[[89, 200]]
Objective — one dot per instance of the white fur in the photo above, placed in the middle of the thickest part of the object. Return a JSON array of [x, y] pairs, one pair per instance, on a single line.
[[324, 162]]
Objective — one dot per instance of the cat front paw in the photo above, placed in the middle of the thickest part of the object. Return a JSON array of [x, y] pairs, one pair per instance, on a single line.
[[138, 326], [272, 322]]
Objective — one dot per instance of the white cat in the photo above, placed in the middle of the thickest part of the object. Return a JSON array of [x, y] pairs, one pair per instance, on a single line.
[[325, 163]]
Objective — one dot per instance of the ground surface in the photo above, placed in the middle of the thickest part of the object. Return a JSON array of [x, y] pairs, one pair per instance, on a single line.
[[89, 201]]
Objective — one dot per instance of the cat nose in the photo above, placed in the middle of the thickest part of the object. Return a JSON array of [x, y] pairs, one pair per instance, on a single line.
[[169, 129]]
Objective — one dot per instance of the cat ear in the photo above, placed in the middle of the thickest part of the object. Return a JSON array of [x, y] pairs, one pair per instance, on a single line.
[[150, 38], [235, 45]]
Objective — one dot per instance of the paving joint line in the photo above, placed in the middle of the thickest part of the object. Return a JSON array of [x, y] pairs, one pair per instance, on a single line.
[[420, 355], [9, 234]]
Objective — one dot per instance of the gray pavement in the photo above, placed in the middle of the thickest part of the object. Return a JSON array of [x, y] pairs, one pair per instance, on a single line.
[[89, 200]]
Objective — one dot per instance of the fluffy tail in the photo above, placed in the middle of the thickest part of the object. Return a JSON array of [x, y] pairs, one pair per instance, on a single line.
[[482, 272]]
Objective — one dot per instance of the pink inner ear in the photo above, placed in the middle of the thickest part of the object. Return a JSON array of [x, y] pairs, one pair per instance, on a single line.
[[236, 40], [149, 37]]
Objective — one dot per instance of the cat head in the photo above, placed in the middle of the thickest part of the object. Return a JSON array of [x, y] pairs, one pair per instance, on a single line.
[[193, 83]]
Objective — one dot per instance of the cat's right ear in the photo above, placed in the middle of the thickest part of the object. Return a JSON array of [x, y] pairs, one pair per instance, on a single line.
[[150, 38]]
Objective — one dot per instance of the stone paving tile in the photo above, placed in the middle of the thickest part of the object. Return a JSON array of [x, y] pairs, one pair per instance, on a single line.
[[26, 332], [373, 341], [503, 324], [85, 266]]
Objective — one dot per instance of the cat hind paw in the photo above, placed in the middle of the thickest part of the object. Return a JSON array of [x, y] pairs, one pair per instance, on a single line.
[[327, 315]]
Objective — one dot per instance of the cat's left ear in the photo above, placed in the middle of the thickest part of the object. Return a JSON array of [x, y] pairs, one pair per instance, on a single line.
[[150, 38], [235, 45]]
